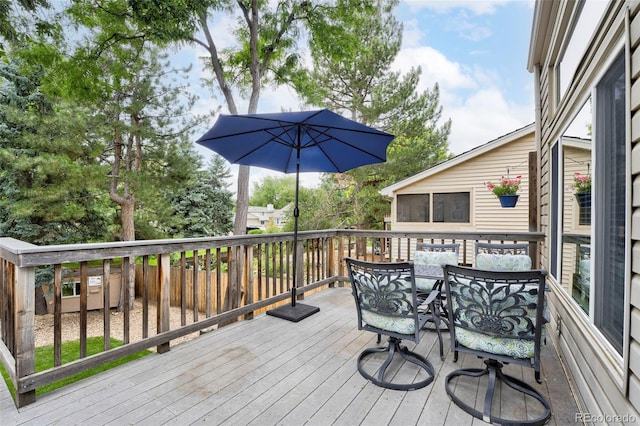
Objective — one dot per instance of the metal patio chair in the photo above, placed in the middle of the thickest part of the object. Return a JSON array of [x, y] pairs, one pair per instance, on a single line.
[[498, 316], [387, 304]]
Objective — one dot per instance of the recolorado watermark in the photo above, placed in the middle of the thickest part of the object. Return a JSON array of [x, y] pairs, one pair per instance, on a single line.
[[605, 418]]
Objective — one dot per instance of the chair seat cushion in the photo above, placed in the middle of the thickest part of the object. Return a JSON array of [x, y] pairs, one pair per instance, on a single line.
[[428, 267], [388, 323], [516, 348], [503, 262]]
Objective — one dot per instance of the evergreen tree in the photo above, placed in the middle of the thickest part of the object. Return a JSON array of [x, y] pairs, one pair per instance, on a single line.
[[49, 173], [205, 208]]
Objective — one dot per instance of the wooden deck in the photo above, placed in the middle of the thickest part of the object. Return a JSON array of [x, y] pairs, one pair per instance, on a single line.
[[269, 371]]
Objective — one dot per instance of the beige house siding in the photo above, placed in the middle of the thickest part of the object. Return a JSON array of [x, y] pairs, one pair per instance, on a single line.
[[470, 176], [606, 383], [468, 172]]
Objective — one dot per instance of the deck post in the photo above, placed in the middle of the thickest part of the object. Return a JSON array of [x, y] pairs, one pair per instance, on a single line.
[[331, 258], [25, 283], [164, 299]]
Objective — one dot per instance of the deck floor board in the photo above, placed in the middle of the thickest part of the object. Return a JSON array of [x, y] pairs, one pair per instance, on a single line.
[[268, 371]]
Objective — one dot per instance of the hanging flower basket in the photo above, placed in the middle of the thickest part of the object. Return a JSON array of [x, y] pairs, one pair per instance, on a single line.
[[584, 202], [506, 190], [508, 201]]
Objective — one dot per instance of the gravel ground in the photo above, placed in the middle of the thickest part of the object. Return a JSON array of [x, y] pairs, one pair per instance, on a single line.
[[71, 325]]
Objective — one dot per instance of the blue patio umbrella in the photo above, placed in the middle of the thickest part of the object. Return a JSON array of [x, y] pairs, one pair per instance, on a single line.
[[302, 141]]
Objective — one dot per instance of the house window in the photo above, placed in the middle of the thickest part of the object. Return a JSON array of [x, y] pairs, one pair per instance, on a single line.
[[451, 207], [589, 242], [611, 208], [413, 208]]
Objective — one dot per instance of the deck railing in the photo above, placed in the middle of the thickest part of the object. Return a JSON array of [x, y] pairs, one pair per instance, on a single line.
[[190, 275]]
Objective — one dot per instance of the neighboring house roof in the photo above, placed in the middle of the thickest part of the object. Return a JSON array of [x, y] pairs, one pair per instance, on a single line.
[[465, 156]]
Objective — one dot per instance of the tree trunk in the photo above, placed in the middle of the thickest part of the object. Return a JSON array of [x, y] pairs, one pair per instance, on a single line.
[[236, 260], [128, 234]]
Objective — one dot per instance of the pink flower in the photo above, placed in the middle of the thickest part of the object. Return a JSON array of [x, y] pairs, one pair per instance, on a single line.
[[506, 186], [581, 183]]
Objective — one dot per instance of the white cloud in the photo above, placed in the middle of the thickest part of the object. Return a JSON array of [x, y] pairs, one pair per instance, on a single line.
[[484, 116], [436, 68]]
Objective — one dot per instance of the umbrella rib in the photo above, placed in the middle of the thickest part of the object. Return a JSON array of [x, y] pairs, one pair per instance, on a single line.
[[244, 132]]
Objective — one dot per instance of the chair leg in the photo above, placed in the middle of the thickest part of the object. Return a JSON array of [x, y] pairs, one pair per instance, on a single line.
[[435, 315], [494, 370], [378, 378]]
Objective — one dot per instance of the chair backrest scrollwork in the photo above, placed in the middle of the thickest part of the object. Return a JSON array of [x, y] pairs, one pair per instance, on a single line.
[[499, 313], [385, 296]]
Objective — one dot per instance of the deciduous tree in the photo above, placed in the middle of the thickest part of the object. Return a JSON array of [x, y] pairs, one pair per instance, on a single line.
[[278, 191]]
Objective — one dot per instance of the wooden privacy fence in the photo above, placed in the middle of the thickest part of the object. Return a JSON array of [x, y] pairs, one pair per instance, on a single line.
[[210, 298]]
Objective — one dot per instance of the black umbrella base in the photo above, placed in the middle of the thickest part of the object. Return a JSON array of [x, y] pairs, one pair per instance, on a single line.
[[293, 313]]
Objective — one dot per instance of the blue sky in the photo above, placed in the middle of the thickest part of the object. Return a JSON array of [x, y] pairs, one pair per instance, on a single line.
[[475, 50]]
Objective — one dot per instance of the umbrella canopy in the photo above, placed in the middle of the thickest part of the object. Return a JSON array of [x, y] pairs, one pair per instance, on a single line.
[[326, 141], [303, 141]]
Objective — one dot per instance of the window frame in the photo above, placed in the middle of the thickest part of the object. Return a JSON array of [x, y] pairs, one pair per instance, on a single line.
[[430, 213], [557, 205], [602, 210]]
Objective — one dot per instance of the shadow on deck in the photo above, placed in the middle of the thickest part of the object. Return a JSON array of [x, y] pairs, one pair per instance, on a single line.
[[269, 371]]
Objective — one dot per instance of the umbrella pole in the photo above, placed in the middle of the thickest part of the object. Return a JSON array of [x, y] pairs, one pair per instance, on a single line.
[[296, 213], [295, 311]]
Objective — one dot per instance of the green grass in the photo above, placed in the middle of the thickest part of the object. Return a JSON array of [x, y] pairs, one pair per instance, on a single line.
[[71, 352]]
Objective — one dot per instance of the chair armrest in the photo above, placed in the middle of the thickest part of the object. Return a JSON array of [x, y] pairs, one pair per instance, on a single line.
[[424, 306]]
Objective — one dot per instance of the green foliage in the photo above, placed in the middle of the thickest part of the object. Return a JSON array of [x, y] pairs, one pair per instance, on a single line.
[[142, 119], [87, 133], [206, 207], [49, 173], [278, 191], [320, 208], [18, 15]]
